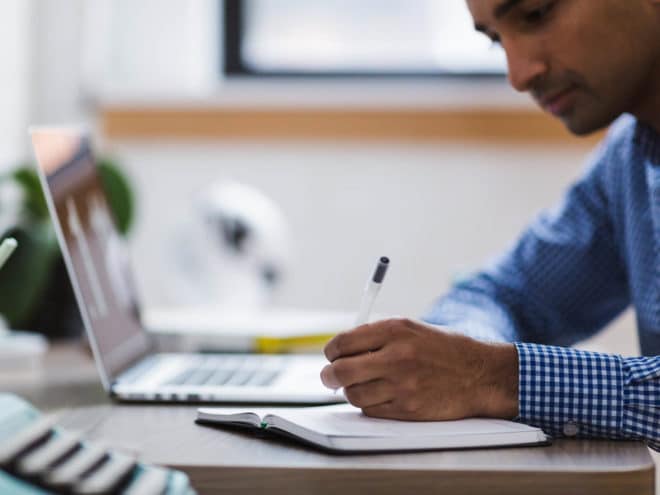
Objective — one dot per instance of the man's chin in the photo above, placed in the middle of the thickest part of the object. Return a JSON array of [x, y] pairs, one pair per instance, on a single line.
[[584, 126]]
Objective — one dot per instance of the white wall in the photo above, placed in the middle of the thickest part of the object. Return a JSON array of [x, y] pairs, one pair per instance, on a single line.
[[15, 49], [151, 47], [434, 209]]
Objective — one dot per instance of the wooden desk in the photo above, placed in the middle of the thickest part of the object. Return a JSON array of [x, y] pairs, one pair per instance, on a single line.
[[236, 462]]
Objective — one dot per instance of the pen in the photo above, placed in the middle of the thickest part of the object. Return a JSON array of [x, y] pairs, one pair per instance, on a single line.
[[369, 295], [371, 291], [6, 248]]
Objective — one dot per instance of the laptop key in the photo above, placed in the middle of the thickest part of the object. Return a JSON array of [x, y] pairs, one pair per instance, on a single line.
[[181, 377], [199, 377], [241, 377], [219, 377], [263, 378]]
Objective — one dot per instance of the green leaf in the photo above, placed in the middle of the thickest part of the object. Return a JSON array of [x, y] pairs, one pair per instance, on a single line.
[[120, 195], [35, 201], [25, 276]]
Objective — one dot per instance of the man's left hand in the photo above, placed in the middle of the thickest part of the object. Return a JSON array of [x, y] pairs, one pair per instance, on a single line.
[[404, 369]]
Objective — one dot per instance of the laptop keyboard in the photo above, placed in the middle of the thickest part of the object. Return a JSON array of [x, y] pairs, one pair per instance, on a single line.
[[233, 371]]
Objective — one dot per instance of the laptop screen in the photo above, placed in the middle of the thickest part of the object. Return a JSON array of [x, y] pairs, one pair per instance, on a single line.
[[94, 253]]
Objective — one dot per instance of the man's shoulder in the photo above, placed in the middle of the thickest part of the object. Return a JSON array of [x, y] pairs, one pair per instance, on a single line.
[[621, 133], [611, 164], [615, 151]]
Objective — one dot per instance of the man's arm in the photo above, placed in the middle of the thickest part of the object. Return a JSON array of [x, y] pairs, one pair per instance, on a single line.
[[562, 280], [403, 369]]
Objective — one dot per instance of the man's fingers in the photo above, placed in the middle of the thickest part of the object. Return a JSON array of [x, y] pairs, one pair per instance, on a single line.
[[329, 378], [386, 410], [370, 393], [368, 337], [347, 371]]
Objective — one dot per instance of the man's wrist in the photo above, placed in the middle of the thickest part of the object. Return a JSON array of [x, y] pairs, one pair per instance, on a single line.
[[498, 397]]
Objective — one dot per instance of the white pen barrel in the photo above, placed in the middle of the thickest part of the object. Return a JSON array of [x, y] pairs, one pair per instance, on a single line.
[[368, 299]]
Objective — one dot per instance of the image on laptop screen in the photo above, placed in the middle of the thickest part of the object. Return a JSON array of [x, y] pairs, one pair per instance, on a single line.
[[94, 253]]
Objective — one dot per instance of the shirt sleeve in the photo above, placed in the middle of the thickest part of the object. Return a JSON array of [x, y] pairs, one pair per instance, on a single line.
[[561, 281], [574, 393]]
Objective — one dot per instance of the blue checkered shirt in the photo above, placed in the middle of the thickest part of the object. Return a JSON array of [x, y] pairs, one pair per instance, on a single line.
[[572, 271]]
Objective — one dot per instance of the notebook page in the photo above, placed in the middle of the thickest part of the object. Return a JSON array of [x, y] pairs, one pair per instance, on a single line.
[[231, 415], [346, 420]]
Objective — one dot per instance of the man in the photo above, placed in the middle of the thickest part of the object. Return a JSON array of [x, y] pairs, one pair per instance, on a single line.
[[570, 273]]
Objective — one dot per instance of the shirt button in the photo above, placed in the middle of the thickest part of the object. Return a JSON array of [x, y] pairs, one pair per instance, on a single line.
[[570, 429]]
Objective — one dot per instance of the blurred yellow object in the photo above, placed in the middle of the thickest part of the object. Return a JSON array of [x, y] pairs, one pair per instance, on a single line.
[[298, 343]]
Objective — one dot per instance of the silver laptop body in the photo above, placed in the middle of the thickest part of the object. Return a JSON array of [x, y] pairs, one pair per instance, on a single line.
[[97, 263]]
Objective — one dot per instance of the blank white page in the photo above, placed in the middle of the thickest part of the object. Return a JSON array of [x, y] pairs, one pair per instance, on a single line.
[[345, 420]]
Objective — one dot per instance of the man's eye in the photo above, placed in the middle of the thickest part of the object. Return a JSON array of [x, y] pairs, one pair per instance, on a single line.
[[537, 16]]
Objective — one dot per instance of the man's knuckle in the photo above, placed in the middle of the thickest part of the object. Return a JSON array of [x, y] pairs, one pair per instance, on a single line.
[[343, 371], [408, 387], [405, 353], [407, 322], [328, 350], [371, 412], [355, 395], [339, 346], [392, 325], [410, 405]]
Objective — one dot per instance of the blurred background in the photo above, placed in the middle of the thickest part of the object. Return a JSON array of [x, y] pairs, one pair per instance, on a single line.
[[327, 133]]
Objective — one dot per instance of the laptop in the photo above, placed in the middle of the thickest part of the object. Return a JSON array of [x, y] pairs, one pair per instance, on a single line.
[[130, 365]]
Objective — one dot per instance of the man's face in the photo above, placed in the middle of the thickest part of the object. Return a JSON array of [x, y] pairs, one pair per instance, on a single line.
[[584, 61]]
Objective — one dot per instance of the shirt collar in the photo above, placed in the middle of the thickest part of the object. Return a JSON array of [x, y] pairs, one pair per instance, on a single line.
[[648, 141]]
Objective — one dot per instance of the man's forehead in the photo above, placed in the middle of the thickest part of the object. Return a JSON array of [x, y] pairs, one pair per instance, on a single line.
[[491, 9]]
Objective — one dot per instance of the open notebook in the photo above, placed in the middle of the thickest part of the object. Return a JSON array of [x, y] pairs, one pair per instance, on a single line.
[[344, 428]]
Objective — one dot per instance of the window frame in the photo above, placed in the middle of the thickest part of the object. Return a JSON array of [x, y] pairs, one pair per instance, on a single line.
[[231, 64]]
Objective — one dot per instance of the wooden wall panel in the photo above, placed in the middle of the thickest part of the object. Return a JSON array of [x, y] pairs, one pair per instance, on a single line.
[[351, 124]]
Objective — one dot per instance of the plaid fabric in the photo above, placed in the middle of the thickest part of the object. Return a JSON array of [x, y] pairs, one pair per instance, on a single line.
[[572, 271], [568, 392]]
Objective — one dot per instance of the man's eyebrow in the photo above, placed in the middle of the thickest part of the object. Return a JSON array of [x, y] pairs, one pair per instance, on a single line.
[[505, 7], [500, 11]]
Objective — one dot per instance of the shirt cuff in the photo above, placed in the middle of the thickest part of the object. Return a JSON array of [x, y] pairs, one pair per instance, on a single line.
[[641, 412], [570, 392]]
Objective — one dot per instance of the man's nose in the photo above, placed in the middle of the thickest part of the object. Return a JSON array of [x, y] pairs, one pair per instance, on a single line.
[[525, 66]]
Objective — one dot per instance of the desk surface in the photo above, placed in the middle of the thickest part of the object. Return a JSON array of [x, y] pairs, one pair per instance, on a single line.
[[235, 461]]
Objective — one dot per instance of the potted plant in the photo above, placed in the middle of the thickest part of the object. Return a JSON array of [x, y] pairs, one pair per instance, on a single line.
[[35, 292]]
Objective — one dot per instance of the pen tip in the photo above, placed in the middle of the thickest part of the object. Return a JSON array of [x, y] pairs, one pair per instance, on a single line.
[[381, 268]]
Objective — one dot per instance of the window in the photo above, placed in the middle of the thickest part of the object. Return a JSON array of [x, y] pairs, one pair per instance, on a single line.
[[355, 37]]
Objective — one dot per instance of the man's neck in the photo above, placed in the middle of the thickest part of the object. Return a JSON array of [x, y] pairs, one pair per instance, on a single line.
[[648, 110], [650, 114]]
